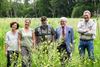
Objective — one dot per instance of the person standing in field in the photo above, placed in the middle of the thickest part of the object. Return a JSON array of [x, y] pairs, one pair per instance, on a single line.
[[12, 46], [87, 31], [65, 35], [44, 32], [26, 42]]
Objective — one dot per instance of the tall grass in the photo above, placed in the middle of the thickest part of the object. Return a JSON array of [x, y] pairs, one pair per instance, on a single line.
[[49, 57]]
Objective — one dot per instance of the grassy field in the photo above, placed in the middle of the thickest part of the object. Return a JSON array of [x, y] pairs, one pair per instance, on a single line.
[[50, 59]]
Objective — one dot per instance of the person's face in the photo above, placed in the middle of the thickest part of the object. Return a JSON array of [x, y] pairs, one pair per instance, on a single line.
[[44, 22], [14, 27], [63, 23], [86, 16], [27, 23]]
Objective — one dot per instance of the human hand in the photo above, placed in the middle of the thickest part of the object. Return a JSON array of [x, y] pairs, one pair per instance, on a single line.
[[86, 30]]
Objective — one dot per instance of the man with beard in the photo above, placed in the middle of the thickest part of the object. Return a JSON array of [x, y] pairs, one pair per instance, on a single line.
[[44, 32]]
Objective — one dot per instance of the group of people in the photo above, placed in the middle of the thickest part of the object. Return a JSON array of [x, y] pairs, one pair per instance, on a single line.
[[25, 39]]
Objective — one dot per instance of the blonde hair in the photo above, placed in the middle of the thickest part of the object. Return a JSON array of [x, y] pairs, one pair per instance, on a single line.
[[29, 20]]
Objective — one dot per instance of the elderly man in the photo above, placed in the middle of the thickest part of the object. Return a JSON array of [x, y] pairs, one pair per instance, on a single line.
[[45, 32], [87, 31], [65, 34]]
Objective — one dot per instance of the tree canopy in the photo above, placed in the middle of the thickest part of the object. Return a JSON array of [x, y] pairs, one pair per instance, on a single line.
[[49, 8]]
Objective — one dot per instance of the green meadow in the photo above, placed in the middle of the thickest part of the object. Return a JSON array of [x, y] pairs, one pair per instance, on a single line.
[[51, 59]]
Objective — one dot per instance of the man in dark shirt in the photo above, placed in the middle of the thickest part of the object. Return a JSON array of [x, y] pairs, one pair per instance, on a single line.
[[44, 32]]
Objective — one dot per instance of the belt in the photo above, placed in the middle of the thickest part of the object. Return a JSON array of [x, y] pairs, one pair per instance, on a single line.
[[86, 39]]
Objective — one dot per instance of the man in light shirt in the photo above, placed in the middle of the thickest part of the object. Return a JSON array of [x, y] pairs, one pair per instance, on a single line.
[[87, 31]]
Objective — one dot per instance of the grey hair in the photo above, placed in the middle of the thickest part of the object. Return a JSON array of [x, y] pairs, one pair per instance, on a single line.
[[63, 18], [87, 11]]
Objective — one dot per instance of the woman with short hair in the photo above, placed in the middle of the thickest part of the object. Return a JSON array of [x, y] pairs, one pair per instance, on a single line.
[[12, 44]]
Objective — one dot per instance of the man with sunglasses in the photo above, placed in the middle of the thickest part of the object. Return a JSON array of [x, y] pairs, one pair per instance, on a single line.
[[44, 32]]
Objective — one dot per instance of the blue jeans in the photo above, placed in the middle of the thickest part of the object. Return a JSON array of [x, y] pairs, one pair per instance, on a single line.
[[86, 44]]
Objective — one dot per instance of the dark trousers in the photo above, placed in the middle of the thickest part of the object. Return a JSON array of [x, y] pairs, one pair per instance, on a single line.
[[63, 47], [65, 53], [12, 57], [86, 44]]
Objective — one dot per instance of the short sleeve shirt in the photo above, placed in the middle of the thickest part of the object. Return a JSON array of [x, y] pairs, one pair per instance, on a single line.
[[44, 33], [12, 41]]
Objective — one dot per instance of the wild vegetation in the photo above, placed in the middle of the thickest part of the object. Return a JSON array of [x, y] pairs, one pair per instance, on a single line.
[[50, 57]]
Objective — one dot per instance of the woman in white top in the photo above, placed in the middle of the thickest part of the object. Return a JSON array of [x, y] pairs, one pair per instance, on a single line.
[[12, 44], [26, 41]]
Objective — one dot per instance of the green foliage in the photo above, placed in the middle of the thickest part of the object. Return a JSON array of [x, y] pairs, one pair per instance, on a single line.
[[46, 55], [80, 8], [49, 8]]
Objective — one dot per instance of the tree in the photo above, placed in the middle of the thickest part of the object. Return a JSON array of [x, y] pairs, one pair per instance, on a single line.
[[4, 8], [61, 7], [80, 8], [42, 7]]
